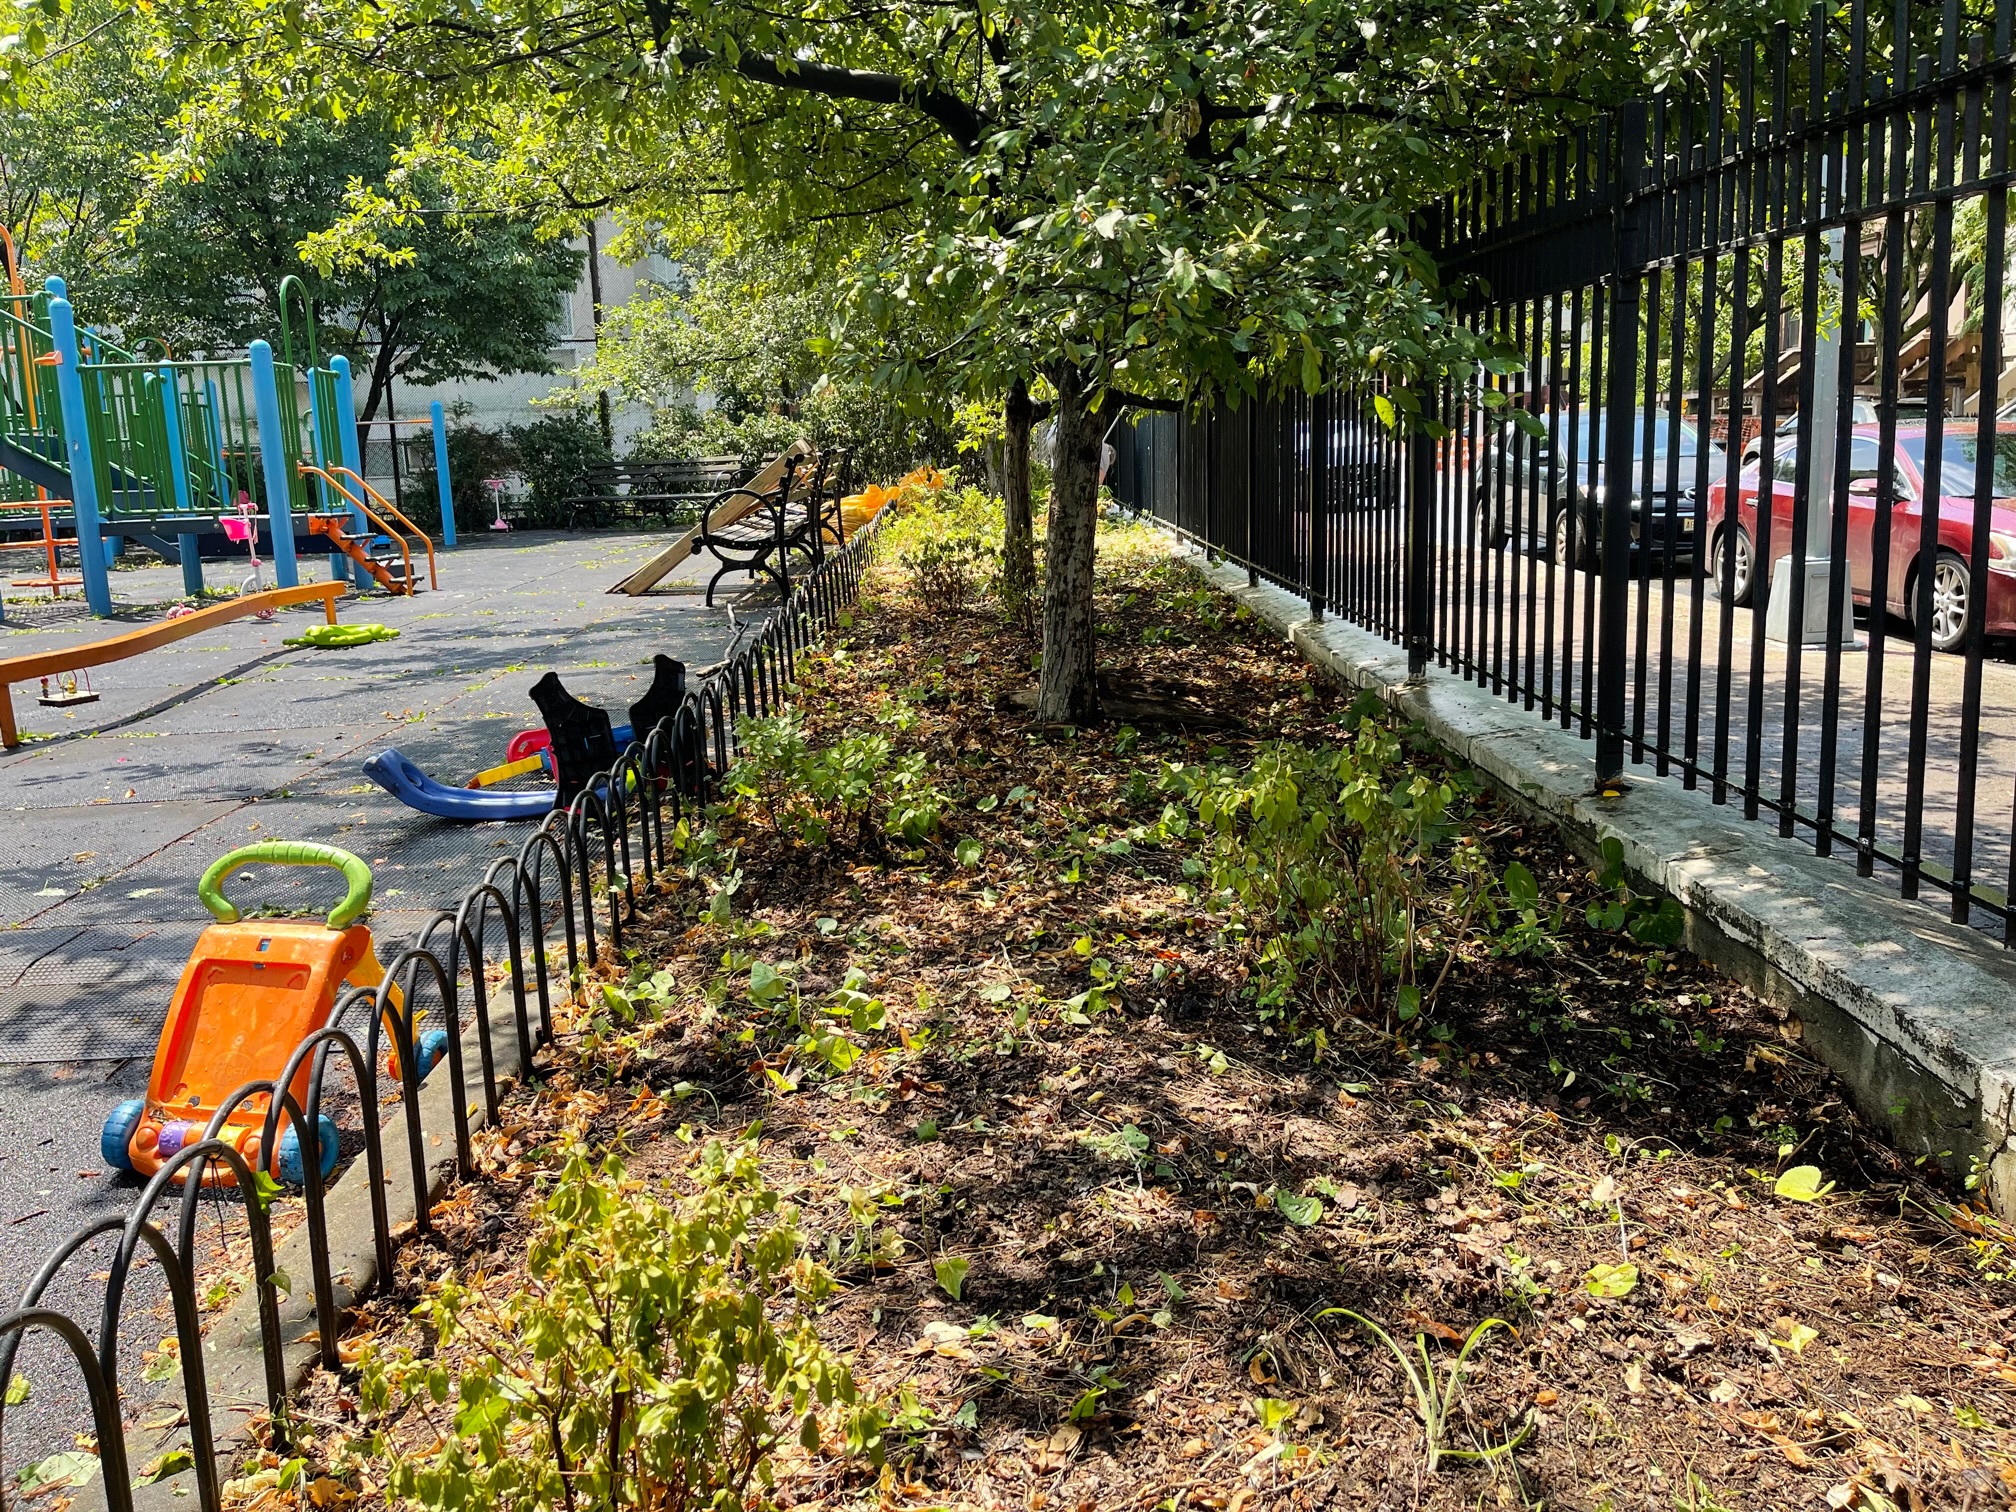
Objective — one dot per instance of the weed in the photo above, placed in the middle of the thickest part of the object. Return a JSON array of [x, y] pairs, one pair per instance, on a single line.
[[1435, 1394]]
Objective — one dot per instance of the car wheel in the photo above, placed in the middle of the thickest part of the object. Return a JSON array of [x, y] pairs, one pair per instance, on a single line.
[[1561, 543], [1491, 531], [1951, 588], [1740, 592]]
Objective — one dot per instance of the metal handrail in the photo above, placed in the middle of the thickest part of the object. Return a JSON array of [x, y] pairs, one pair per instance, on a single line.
[[392, 509], [309, 470]]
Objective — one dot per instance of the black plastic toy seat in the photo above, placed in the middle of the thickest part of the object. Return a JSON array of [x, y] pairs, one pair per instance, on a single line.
[[661, 704], [584, 744], [661, 700]]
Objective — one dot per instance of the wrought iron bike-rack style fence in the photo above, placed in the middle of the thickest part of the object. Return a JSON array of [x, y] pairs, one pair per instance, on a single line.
[[1672, 272], [589, 851]]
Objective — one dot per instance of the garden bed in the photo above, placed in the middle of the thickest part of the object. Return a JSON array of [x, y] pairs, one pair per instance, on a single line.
[[1094, 1206]]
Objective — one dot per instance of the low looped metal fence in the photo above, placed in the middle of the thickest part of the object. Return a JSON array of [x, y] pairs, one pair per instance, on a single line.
[[579, 868]]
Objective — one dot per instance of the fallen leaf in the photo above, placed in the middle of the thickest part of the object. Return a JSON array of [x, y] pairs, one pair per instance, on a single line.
[[1797, 1339], [1604, 1280], [1604, 1190], [1802, 1184]]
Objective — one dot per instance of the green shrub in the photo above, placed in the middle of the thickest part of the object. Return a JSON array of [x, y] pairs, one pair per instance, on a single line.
[[1344, 867], [950, 545], [474, 454], [657, 1355], [553, 452], [830, 794]]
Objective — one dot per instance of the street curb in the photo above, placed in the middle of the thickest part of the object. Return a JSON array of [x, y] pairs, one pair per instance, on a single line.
[[1910, 1010], [235, 1368]]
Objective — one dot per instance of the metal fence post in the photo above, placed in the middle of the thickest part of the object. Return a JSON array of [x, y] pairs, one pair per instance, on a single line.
[[1317, 408], [1417, 583], [1616, 444]]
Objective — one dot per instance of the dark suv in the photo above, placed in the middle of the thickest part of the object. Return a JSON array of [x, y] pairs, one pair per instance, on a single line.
[[1516, 481]]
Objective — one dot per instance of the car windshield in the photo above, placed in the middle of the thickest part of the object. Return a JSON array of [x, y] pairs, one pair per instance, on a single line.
[[1956, 468], [1663, 436]]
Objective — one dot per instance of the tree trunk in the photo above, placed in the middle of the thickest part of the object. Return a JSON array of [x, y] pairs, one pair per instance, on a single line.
[[1069, 691], [1018, 531]]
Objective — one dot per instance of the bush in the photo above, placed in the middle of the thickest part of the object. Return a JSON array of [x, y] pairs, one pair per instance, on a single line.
[[553, 452], [1345, 868], [826, 795], [474, 454], [637, 1364], [885, 440], [949, 542]]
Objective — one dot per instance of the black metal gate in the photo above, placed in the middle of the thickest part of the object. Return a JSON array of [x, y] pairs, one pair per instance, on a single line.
[[1744, 510]]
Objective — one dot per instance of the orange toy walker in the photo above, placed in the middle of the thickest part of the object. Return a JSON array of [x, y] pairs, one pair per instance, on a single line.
[[251, 992]]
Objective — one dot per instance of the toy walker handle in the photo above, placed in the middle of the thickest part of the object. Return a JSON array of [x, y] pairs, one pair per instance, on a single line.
[[289, 853]]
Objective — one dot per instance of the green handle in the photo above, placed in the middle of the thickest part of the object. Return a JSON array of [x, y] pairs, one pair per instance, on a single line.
[[289, 853]]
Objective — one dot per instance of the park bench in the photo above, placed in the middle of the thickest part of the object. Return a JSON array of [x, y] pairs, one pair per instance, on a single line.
[[662, 492], [759, 532]]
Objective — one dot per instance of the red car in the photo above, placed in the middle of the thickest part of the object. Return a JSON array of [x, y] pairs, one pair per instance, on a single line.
[[1952, 588]]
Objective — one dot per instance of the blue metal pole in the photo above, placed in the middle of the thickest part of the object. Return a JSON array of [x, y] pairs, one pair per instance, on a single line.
[[273, 464], [77, 449], [178, 468], [353, 457], [441, 473]]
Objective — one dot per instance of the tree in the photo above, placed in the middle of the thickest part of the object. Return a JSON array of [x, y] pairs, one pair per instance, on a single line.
[[442, 296], [73, 141], [1152, 204]]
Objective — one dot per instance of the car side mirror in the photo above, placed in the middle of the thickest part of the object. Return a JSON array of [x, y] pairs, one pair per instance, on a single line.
[[1865, 487]]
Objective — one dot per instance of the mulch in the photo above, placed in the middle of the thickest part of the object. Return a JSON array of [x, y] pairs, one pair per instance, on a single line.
[[1160, 1206]]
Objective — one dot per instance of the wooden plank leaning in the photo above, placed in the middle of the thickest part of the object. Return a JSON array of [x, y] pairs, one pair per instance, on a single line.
[[37, 664], [740, 503]]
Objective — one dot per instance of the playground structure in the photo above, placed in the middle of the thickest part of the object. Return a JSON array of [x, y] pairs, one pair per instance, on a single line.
[[114, 445]]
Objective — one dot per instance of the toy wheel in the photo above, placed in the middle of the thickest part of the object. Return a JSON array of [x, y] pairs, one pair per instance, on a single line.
[[292, 1171], [115, 1142], [429, 1052]]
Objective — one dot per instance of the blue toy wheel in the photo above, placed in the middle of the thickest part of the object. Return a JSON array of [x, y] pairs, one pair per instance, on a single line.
[[117, 1137], [292, 1171], [429, 1052]]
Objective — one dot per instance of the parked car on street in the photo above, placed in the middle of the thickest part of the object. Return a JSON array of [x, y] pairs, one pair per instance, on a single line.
[[1952, 577], [1516, 483], [1863, 409]]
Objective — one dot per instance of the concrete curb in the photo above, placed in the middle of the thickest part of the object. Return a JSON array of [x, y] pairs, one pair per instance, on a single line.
[[1912, 1011], [235, 1367]]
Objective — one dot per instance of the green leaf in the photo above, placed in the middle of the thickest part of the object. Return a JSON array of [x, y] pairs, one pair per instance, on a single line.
[[1802, 1184], [951, 1274], [1272, 1412], [1520, 886], [996, 992], [72, 1467], [282, 1282], [1298, 1210], [172, 1463], [968, 852], [1611, 1280], [17, 1390]]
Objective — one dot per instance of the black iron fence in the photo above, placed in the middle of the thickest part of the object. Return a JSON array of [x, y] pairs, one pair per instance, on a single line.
[[1738, 502], [583, 870]]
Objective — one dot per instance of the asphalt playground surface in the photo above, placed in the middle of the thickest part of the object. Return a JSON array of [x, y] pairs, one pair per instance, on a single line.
[[111, 811]]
